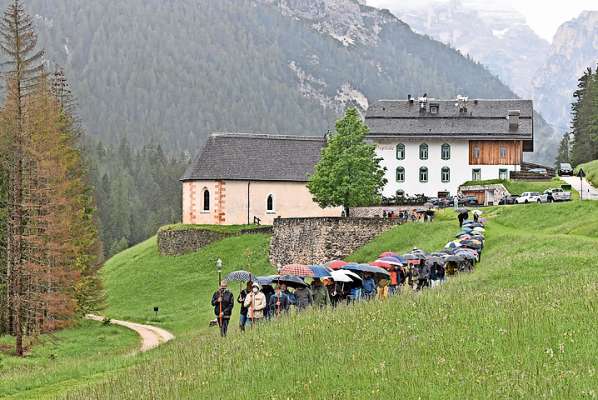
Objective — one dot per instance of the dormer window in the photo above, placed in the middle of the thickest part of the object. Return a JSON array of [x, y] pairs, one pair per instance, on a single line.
[[434, 107]]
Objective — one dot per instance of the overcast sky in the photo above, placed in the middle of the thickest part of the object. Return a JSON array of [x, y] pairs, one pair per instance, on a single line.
[[544, 16]]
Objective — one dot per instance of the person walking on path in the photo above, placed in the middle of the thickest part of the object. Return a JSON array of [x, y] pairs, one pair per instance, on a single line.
[[303, 298], [320, 293], [394, 280], [256, 303], [223, 302], [241, 300]]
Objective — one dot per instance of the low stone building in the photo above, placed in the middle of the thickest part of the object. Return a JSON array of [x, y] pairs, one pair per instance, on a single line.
[[237, 178]]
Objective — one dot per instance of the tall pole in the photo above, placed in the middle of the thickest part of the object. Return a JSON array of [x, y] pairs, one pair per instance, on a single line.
[[580, 187]]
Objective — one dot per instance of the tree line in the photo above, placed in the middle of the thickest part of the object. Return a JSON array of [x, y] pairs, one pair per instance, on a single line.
[[581, 144], [49, 246]]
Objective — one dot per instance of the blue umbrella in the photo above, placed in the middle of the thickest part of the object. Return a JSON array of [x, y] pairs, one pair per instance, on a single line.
[[266, 280], [320, 271], [393, 260], [240, 276], [367, 268]]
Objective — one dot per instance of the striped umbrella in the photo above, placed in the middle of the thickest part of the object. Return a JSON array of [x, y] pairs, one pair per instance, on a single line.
[[297, 270], [394, 260], [240, 276], [388, 254]]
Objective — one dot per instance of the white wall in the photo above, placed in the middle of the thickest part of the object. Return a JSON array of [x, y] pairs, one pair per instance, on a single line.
[[461, 171]]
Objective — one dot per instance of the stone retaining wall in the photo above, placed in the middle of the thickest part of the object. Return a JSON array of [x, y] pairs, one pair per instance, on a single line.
[[378, 211], [180, 241], [317, 240]]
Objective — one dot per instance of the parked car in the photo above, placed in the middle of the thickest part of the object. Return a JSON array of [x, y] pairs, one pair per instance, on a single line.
[[508, 200], [565, 169], [468, 201], [557, 194], [539, 171], [532, 197]]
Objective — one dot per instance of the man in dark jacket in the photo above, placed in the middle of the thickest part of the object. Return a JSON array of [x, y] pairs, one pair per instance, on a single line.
[[369, 286], [303, 298], [241, 300], [223, 302], [279, 302]]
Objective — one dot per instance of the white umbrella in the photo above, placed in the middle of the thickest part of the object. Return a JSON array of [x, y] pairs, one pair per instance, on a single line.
[[351, 275], [340, 276]]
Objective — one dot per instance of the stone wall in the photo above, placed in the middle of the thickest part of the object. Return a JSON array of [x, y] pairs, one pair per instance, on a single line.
[[318, 240], [180, 241]]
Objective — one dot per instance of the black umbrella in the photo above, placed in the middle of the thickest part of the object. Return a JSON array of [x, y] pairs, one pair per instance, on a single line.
[[471, 244], [454, 258], [291, 281]]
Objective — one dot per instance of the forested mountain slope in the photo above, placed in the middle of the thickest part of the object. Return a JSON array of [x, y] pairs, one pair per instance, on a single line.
[[172, 71]]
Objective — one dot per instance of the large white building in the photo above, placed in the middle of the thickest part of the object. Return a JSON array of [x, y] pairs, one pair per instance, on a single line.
[[432, 146]]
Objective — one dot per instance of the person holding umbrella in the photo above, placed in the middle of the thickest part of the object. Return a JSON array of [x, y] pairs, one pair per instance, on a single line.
[[369, 286], [320, 293], [303, 298], [241, 300], [256, 303], [223, 302], [279, 301]]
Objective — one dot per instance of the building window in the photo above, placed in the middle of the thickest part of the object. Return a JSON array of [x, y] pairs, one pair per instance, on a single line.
[[434, 108], [445, 174], [270, 203], [423, 151], [400, 174], [503, 174], [423, 174], [445, 151], [503, 152], [476, 174], [476, 153], [400, 151], [206, 199]]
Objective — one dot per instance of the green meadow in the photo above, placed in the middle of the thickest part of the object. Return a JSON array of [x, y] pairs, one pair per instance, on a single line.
[[521, 326]]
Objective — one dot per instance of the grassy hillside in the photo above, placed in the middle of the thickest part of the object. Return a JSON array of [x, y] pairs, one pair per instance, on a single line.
[[139, 279], [591, 170], [521, 326]]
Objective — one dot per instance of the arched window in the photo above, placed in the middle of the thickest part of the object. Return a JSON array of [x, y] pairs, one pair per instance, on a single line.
[[270, 203], [400, 174], [400, 151], [445, 174], [206, 199], [445, 152], [423, 174], [423, 151]]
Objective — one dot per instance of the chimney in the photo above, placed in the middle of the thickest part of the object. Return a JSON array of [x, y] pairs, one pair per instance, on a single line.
[[513, 118], [410, 99]]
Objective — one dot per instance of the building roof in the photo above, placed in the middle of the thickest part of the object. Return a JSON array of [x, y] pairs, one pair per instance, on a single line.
[[256, 157], [471, 119]]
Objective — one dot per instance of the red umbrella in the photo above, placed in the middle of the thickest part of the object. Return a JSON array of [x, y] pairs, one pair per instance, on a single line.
[[381, 264], [388, 254], [297, 270], [336, 264]]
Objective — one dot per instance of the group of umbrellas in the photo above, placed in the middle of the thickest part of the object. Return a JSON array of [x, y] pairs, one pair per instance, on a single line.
[[466, 248]]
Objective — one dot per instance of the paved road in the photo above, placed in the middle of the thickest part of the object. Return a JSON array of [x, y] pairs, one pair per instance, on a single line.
[[151, 336], [589, 192]]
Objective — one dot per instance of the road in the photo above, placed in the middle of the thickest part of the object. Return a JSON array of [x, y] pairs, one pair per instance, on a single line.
[[151, 336], [589, 191]]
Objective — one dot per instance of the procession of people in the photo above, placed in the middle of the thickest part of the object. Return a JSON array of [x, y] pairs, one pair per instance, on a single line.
[[298, 287]]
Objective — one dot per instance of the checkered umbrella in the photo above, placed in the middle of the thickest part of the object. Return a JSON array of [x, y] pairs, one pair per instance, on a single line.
[[297, 270], [240, 276]]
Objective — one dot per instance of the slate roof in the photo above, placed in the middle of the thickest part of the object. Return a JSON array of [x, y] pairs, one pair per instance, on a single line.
[[256, 157], [484, 119]]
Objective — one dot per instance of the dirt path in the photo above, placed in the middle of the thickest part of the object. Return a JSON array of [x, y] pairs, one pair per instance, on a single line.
[[151, 336], [589, 191]]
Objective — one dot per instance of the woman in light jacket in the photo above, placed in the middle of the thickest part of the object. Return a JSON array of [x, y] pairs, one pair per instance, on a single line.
[[256, 303]]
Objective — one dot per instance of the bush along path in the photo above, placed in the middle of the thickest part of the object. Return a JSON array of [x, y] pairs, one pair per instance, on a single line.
[[151, 336]]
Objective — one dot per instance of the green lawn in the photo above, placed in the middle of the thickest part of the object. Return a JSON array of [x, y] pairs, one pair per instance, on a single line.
[[591, 170], [522, 326], [65, 359], [211, 228]]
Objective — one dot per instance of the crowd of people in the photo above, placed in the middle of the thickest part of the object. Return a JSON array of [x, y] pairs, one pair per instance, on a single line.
[[264, 298]]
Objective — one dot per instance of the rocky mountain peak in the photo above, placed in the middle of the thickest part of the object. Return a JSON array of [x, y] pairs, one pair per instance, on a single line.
[[351, 22]]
